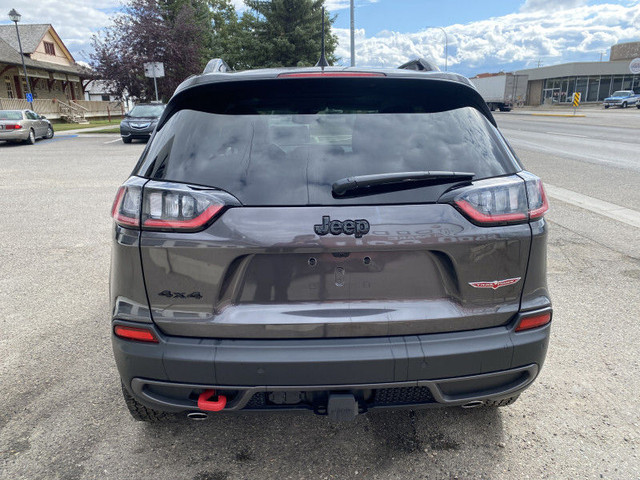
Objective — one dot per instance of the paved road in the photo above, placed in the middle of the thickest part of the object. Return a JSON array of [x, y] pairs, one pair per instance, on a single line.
[[62, 415]]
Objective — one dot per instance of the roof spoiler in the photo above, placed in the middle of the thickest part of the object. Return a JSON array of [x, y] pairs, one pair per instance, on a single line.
[[216, 65], [419, 64]]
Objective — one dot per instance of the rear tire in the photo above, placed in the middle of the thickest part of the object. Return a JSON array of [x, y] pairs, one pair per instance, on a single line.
[[31, 139], [502, 402], [142, 413], [126, 140]]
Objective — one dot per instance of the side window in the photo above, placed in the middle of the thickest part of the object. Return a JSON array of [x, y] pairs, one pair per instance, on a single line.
[[31, 115]]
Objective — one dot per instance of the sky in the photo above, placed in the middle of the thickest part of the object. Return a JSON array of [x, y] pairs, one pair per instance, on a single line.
[[483, 36]]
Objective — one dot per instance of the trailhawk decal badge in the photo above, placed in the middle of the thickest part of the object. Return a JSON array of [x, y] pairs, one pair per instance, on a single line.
[[496, 283]]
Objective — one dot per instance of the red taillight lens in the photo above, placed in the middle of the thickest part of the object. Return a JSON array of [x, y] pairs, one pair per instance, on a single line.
[[167, 206], [12, 126], [179, 209], [134, 333], [330, 74], [126, 206], [533, 321], [503, 201]]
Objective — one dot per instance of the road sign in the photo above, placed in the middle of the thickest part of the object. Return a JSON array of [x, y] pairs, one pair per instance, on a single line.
[[29, 97], [154, 69], [634, 66], [576, 99]]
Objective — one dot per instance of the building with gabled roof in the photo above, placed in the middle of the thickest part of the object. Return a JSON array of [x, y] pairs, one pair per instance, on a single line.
[[53, 72]]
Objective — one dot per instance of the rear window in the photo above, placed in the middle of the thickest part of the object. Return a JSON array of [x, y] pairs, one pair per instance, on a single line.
[[10, 115], [279, 157]]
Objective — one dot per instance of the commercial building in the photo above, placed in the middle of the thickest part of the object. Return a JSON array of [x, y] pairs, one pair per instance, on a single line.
[[556, 84]]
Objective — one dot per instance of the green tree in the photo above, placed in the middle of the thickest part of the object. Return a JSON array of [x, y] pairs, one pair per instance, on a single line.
[[175, 32], [286, 33]]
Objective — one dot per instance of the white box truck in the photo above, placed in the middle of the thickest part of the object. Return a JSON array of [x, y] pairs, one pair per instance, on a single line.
[[501, 90]]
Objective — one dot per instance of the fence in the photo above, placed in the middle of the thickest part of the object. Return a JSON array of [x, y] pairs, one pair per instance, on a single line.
[[53, 108]]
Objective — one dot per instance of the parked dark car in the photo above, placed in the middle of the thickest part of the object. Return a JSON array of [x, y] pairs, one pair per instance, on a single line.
[[336, 241], [24, 126], [140, 122]]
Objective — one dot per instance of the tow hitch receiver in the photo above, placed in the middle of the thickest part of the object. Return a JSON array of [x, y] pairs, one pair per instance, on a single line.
[[342, 407], [205, 403]]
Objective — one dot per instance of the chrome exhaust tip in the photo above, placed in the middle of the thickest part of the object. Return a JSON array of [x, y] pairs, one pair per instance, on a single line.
[[197, 416], [473, 404]]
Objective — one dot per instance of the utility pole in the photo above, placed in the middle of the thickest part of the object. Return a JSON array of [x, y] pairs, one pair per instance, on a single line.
[[353, 35], [446, 46]]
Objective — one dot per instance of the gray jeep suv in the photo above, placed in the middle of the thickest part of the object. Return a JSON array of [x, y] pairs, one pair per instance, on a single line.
[[337, 241]]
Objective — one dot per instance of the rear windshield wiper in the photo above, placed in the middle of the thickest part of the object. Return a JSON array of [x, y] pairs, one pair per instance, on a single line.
[[360, 182]]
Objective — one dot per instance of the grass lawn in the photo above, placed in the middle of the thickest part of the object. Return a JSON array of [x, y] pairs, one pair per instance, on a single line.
[[61, 127]]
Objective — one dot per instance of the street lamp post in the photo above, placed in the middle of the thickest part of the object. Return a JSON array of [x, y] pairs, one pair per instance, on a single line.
[[446, 46], [15, 18], [353, 36]]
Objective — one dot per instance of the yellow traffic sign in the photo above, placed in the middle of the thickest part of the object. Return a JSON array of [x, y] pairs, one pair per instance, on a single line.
[[576, 99]]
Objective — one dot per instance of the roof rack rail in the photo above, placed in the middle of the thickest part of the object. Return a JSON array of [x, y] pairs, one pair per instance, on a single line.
[[216, 65], [419, 64]]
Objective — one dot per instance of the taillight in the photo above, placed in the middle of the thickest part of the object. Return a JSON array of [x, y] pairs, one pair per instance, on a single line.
[[503, 201], [126, 206], [165, 206], [533, 321], [179, 209], [135, 333], [12, 126]]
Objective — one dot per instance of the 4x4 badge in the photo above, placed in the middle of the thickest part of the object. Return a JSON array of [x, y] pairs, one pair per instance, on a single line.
[[336, 227], [496, 283]]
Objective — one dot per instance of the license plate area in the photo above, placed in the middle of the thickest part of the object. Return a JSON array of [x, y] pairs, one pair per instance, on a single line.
[[342, 276]]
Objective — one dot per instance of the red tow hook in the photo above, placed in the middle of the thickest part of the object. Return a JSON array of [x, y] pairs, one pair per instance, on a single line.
[[205, 403]]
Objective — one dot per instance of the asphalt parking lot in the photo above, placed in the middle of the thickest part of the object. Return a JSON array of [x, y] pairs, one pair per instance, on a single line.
[[62, 412]]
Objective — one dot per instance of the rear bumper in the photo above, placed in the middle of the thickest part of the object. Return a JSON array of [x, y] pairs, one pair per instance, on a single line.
[[449, 368], [13, 135]]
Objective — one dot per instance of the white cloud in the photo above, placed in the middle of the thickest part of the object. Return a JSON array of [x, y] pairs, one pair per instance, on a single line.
[[508, 42], [550, 5]]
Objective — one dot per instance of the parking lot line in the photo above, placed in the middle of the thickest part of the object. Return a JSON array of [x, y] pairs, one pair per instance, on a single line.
[[113, 141], [566, 134], [611, 210]]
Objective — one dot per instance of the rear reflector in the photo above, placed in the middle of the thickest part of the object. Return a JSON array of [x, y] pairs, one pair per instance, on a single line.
[[535, 321], [133, 333], [330, 74]]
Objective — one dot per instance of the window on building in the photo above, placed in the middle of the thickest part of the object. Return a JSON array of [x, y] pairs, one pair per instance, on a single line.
[[605, 87], [105, 98], [617, 83], [49, 48], [9, 85], [594, 84], [581, 86]]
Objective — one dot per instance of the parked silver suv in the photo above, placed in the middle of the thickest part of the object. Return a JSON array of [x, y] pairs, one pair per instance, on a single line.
[[334, 240]]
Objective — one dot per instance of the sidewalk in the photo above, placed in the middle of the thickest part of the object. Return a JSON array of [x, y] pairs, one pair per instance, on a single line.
[[82, 130]]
